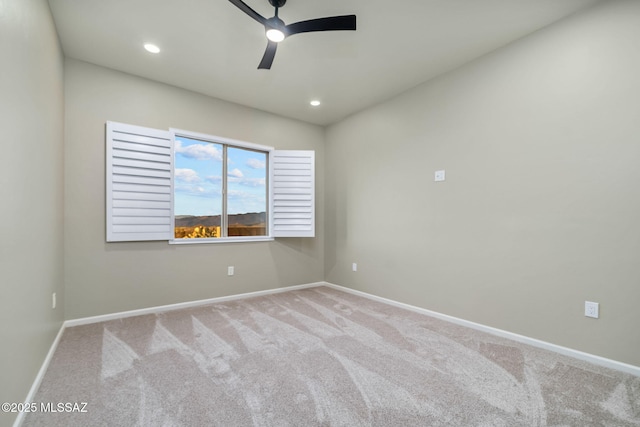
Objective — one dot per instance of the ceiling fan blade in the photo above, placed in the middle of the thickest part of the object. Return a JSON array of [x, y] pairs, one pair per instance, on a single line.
[[331, 23], [269, 54], [246, 9]]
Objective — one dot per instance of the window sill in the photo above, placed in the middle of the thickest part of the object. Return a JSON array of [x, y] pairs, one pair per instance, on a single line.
[[221, 240]]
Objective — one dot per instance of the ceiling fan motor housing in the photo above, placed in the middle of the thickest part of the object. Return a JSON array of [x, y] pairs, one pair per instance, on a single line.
[[275, 22], [277, 3]]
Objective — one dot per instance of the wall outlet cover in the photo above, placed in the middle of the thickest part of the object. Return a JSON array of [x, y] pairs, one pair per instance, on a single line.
[[591, 309]]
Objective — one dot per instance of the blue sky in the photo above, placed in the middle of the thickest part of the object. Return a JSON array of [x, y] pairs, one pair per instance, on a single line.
[[198, 179]]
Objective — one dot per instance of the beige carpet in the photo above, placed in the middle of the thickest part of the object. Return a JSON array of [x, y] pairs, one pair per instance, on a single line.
[[320, 357]]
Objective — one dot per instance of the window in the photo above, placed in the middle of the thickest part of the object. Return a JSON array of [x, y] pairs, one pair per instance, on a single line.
[[220, 189], [186, 187]]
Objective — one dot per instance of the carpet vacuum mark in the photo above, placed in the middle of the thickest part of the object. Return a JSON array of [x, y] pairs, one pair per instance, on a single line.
[[320, 357]]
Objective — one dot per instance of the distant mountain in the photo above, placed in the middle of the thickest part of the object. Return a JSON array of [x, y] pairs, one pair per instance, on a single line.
[[214, 220], [253, 218], [192, 221]]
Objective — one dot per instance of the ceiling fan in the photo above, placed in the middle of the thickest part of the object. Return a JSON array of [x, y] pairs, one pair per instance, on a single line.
[[276, 30]]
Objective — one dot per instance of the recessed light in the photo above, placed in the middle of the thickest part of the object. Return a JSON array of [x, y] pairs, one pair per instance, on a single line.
[[315, 103], [152, 48]]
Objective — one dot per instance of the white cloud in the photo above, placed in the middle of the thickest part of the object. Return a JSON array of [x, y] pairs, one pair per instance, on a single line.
[[256, 164], [244, 195], [191, 189], [243, 201], [236, 173], [237, 194], [199, 151], [237, 177], [253, 182], [187, 175]]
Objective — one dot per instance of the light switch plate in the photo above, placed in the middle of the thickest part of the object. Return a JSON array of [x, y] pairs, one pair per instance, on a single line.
[[439, 176]]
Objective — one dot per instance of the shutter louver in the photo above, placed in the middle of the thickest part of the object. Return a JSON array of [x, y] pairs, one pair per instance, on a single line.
[[139, 183], [293, 193]]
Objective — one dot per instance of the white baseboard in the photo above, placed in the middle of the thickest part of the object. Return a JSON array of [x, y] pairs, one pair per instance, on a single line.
[[577, 354], [40, 376], [181, 305]]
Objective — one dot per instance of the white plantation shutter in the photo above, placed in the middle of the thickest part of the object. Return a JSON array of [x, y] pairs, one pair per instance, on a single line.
[[139, 183], [292, 193]]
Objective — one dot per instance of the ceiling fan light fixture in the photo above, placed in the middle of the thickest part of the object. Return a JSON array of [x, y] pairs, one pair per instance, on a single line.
[[275, 35], [151, 48]]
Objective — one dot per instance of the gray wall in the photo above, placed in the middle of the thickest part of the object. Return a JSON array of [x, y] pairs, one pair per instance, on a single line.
[[111, 277], [31, 190], [541, 205], [538, 213]]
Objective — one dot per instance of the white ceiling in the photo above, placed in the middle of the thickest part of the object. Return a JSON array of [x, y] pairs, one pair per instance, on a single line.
[[211, 47]]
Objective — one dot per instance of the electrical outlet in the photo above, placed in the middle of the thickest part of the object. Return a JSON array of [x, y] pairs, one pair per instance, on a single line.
[[230, 270], [354, 267], [53, 300], [591, 309]]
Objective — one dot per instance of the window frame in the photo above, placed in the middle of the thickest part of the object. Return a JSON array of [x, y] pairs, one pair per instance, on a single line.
[[225, 142]]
